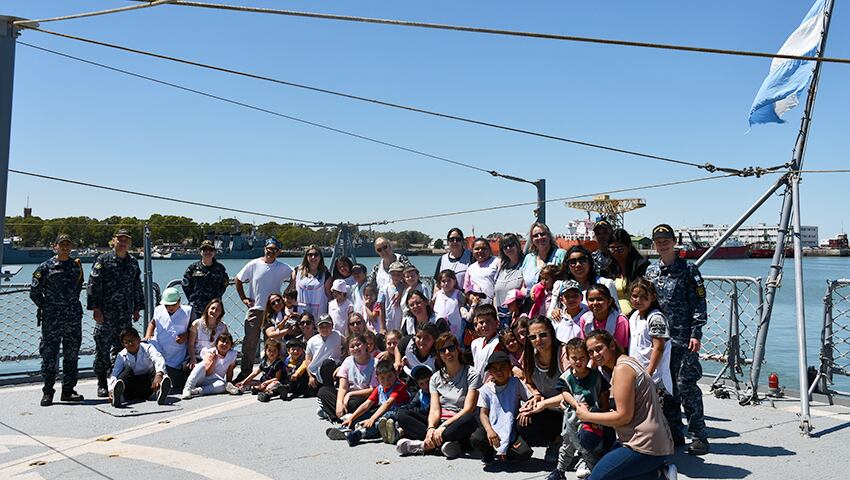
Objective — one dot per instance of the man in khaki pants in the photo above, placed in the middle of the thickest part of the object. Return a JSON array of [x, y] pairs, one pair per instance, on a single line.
[[265, 275]]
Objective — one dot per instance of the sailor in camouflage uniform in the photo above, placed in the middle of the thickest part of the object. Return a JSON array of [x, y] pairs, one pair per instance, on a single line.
[[602, 230], [204, 280], [115, 296], [55, 290], [681, 295]]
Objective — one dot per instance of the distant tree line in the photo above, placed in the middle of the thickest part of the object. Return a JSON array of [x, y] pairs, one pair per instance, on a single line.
[[91, 232]]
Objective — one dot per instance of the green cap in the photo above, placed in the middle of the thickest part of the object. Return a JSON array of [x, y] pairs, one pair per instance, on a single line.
[[170, 296], [63, 237]]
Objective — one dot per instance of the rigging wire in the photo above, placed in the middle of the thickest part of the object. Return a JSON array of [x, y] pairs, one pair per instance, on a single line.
[[512, 33], [707, 166], [28, 23], [560, 199], [161, 197], [266, 110]]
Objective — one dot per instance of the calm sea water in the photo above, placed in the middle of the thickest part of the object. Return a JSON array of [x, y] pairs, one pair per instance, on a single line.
[[782, 339]]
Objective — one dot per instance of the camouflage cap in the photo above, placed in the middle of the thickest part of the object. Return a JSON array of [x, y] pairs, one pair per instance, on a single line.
[[63, 237], [207, 244], [122, 232]]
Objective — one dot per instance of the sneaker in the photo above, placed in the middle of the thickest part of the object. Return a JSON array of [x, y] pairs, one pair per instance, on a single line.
[[556, 475], [47, 400], [571, 467], [406, 446], [192, 393], [581, 470], [382, 429], [164, 390], [320, 412], [117, 393], [232, 389], [354, 437], [452, 449], [487, 457], [71, 396], [393, 432], [102, 391], [552, 453], [264, 397], [699, 446], [335, 433], [670, 471]]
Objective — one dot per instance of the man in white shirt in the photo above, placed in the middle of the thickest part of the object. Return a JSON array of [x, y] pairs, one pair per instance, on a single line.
[[265, 276], [168, 331]]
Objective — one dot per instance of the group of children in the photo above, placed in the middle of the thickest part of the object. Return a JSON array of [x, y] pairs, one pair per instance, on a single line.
[[364, 372]]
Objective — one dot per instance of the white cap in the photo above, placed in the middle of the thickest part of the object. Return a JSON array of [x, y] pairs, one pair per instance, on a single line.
[[339, 285]]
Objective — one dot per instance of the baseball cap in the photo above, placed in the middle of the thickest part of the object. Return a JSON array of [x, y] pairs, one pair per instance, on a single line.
[[497, 357], [207, 244], [325, 318], [396, 267], [63, 237], [569, 285], [122, 232], [662, 231], [602, 224], [339, 285], [477, 290], [420, 371], [271, 241], [294, 342], [170, 296]]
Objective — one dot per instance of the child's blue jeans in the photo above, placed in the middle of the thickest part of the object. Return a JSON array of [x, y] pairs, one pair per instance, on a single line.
[[373, 431]]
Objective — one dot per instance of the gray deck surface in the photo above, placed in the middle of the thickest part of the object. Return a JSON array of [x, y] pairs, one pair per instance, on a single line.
[[224, 437]]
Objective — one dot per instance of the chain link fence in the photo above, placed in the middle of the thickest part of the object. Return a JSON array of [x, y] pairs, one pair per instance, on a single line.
[[835, 338], [734, 306]]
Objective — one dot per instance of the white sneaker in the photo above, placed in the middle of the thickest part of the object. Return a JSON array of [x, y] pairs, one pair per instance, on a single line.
[[192, 393], [581, 470], [452, 449], [670, 471], [406, 446]]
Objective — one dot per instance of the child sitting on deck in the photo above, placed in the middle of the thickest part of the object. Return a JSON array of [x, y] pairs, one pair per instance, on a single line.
[[215, 371], [389, 395], [270, 372], [296, 370], [139, 371]]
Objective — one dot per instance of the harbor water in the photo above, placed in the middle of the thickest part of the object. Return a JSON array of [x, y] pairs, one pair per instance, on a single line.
[[781, 355]]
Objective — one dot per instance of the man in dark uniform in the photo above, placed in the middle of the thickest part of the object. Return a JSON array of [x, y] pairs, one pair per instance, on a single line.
[[115, 296], [681, 295], [602, 231], [55, 290], [204, 280]]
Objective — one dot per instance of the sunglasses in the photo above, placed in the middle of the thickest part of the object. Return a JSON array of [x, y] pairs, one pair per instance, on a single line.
[[540, 235], [415, 304], [355, 323], [540, 335], [576, 261], [448, 349], [312, 254], [454, 239], [509, 245], [617, 249], [277, 302], [381, 248], [306, 322]]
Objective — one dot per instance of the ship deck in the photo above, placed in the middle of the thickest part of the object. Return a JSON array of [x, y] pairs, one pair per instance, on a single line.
[[224, 437]]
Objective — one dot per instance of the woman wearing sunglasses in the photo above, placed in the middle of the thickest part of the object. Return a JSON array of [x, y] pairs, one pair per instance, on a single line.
[[509, 276], [543, 251], [544, 360], [451, 418], [579, 267], [313, 282], [381, 271], [457, 258]]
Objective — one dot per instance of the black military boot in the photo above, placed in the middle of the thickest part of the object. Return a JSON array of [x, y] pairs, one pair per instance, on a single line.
[[102, 391], [71, 396], [47, 400]]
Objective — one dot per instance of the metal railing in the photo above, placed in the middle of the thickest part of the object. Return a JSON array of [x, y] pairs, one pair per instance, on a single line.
[[729, 337], [734, 306], [835, 339]]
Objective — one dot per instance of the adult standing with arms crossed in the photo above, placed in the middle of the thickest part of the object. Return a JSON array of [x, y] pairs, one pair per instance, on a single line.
[[681, 295], [115, 297], [265, 275], [55, 290], [204, 280]]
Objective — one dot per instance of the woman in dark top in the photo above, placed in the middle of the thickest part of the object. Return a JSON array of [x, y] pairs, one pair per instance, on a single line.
[[627, 265]]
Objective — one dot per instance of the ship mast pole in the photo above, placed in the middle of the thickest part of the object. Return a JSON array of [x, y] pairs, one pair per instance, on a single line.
[[791, 201], [8, 34]]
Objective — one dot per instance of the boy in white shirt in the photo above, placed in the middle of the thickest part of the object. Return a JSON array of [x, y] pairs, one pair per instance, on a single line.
[[487, 327], [340, 307], [139, 371]]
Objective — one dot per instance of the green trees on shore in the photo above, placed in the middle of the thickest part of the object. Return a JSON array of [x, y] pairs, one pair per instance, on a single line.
[[91, 232]]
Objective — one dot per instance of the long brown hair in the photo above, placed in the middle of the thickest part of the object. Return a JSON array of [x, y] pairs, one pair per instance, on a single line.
[[528, 359], [444, 339], [220, 318], [322, 271]]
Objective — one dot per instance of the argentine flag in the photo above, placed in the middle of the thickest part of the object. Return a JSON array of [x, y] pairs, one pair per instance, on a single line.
[[787, 79]]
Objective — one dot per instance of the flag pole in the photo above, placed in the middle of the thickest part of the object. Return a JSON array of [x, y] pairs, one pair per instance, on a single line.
[[797, 164]]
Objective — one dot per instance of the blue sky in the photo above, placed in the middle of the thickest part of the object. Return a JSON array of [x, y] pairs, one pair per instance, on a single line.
[[82, 122]]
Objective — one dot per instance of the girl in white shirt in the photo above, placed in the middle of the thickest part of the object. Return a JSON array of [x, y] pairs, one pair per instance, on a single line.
[[215, 371]]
